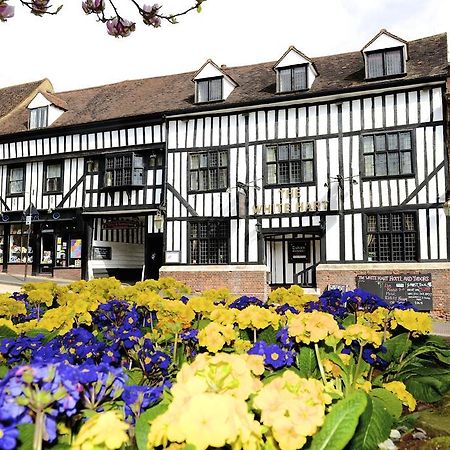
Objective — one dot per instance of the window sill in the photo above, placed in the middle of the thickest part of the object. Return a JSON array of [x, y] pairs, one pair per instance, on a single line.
[[289, 185], [386, 77], [22, 194], [208, 191], [387, 177], [123, 188], [53, 193]]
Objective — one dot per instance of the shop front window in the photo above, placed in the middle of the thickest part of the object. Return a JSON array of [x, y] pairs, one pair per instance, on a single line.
[[68, 251], [18, 245]]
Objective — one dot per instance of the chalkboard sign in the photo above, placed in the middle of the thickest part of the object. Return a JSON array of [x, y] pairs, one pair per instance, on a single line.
[[299, 251], [416, 289], [101, 252]]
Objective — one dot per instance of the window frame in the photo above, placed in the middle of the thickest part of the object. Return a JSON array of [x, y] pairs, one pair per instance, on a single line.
[[8, 187], [387, 152], [207, 169], [390, 233], [291, 68], [209, 80], [291, 183], [208, 239], [383, 53], [114, 169], [38, 125], [45, 191]]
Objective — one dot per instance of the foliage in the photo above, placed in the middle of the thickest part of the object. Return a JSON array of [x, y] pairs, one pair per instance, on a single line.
[[108, 14], [100, 365]]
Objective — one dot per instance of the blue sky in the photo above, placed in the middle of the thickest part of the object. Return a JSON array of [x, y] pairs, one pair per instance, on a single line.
[[74, 51]]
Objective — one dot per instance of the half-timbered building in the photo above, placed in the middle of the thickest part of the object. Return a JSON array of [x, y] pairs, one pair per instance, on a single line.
[[305, 171]]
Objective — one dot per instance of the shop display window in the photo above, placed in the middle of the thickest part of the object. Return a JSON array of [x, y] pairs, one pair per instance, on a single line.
[[68, 252], [18, 239]]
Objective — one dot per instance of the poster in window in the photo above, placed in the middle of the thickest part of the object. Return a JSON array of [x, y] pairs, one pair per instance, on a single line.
[[75, 248]]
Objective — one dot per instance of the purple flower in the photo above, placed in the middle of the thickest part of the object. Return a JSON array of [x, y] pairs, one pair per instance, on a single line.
[[274, 356], [8, 437], [149, 15], [93, 6], [39, 7], [190, 335], [359, 300], [245, 301], [119, 27], [139, 398], [284, 308], [6, 12]]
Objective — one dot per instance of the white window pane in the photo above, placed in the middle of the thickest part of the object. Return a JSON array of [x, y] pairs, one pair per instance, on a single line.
[[393, 62], [54, 171], [375, 65], [299, 78], [271, 154], [215, 89], [368, 144], [202, 91], [285, 80], [16, 174]]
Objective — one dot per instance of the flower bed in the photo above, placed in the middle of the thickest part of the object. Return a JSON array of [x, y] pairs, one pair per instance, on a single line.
[[98, 365]]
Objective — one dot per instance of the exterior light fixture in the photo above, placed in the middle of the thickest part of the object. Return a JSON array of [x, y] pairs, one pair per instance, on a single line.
[[446, 208], [158, 220]]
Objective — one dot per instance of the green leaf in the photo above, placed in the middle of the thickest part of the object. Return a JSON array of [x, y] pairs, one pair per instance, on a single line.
[[135, 376], [349, 320], [26, 434], [142, 426], [3, 370], [427, 388], [396, 347], [374, 426], [203, 323], [390, 401], [306, 362], [6, 332], [340, 424], [268, 335]]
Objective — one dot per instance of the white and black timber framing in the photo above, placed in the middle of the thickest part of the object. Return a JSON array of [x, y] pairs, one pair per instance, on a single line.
[[330, 211]]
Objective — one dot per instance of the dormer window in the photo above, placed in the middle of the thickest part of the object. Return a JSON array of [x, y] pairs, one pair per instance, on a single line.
[[38, 117], [292, 78], [209, 90], [385, 63]]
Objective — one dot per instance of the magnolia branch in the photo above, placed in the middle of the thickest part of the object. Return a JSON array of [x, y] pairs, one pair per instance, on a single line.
[[116, 24]]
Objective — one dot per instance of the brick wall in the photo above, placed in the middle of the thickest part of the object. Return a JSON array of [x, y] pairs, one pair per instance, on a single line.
[[346, 274], [240, 280], [63, 274]]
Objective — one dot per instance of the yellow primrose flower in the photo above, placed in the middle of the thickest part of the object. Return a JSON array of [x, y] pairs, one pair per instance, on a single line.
[[294, 296], [365, 386], [214, 336], [313, 327], [399, 389], [363, 334], [293, 408], [104, 430], [419, 322], [223, 315], [242, 346], [202, 305], [256, 317], [8, 323], [375, 319], [10, 307]]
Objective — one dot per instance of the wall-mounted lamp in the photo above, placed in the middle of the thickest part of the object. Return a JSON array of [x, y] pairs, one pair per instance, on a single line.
[[446, 208], [158, 220], [340, 180]]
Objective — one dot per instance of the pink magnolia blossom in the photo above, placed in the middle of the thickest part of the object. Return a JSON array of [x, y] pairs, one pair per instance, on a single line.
[[93, 6], [39, 7], [119, 27], [149, 15], [6, 11]]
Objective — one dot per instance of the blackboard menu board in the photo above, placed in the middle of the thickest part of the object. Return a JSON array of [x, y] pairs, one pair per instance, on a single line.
[[299, 251], [101, 252], [416, 289]]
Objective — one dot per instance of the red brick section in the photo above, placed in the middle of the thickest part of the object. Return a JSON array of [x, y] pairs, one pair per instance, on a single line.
[[440, 279], [63, 274], [238, 282]]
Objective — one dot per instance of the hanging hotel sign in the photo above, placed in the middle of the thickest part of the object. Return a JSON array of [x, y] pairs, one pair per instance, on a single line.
[[414, 288], [290, 202], [121, 223], [299, 251]]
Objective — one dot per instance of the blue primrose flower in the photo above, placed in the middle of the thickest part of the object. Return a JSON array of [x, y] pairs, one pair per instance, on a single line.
[[8, 437], [359, 300], [330, 302], [274, 356], [402, 305], [138, 398], [245, 301], [283, 337], [189, 335], [283, 309], [18, 349]]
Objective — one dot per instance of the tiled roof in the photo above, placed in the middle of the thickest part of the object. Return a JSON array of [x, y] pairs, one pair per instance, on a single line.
[[256, 84], [13, 96]]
